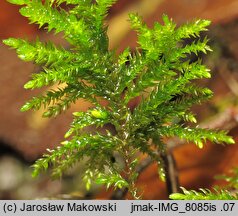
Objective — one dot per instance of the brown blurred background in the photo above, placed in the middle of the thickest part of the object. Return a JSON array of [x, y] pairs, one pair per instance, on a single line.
[[25, 136]]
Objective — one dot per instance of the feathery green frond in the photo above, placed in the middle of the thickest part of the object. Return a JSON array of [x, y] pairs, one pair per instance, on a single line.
[[71, 151], [196, 135], [192, 29], [74, 2], [102, 8], [96, 116], [43, 54], [18, 2], [158, 72], [57, 101], [203, 194], [112, 179], [50, 97]]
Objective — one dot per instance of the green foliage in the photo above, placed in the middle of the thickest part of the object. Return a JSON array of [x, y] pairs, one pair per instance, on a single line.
[[204, 194], [158, 71], [114, 179], [196, 135], [231, 178]]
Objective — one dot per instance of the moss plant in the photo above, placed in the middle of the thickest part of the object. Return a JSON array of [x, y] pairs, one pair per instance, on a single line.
[[204, 194], [159, 71]]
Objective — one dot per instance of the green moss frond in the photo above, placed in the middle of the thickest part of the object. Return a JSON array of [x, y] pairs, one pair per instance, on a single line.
[[196, 135], [159, 71], [204, 194], [99, 147]]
